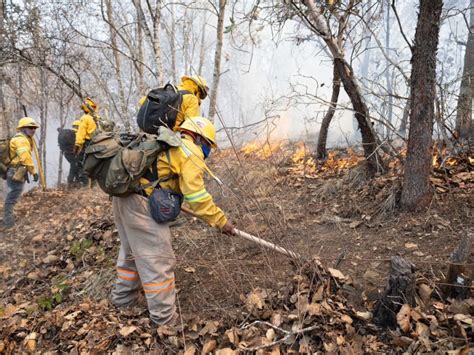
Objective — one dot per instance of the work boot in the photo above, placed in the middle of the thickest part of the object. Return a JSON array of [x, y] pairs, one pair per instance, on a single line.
[[8, 225], [174, 322], [8, 221]]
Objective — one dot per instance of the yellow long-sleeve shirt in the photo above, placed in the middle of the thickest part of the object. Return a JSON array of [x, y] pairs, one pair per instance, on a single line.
[[21, 147], [187, 162], [86, 129], [190, 107]]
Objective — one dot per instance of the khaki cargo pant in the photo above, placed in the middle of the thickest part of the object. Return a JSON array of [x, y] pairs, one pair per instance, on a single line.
[[145, 256]]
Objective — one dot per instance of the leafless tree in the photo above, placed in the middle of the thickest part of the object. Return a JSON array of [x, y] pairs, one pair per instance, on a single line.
[[465, 102], [313, 16], [217, 58], [153, 33]]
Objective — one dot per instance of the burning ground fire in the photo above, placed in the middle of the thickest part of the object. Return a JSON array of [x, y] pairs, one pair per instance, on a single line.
[[263, 150], [303, 161]]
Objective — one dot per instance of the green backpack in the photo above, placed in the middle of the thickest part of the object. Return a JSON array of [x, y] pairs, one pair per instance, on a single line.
[[117, 161], [4, 157]]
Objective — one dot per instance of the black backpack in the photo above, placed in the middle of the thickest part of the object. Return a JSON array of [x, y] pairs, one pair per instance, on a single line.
[[160, 108], [66, 140]]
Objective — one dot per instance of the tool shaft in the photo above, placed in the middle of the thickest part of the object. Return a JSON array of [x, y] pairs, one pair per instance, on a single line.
[[255, 239]]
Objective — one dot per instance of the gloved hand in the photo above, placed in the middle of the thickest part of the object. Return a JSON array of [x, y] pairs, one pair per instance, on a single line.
[[77, 149], [35, 177], [228, 228]]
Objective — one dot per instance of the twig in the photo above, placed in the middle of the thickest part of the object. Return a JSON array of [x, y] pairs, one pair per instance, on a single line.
[[287, 333]]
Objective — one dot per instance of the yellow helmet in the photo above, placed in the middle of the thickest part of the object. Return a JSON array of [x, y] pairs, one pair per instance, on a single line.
[[89, 104], [201, 126], [141, 101], [200, 82], [27, 122], [76, 123]]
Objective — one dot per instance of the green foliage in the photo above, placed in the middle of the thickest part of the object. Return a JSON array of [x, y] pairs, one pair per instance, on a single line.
[[79, 248], [231, 27], [56, 296], [45, 302]]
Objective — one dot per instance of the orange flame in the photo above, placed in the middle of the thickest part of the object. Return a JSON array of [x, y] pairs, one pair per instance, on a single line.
[[300, 153], [261, 151]]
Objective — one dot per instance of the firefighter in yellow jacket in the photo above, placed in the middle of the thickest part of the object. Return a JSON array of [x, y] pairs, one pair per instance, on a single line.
[[146, 254], [87, 124], [21, 164], [190, 107], [196, 89]]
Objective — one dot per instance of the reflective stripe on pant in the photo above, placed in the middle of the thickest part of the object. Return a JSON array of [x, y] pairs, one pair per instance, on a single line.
[[145, 255], [15, 189]]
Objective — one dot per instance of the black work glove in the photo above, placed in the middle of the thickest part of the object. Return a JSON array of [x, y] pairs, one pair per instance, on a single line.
[[35, 177]]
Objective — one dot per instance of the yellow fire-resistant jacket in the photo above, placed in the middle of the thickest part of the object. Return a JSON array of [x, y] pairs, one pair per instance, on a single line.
[[188, 163], [190, 107], [86, 129], [21, 147]]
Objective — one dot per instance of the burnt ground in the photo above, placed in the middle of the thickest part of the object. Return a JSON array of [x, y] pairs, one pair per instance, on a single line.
[[57, 266]]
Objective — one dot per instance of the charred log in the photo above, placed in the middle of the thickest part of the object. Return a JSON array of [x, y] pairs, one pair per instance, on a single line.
[[458, 280], [399, 291]]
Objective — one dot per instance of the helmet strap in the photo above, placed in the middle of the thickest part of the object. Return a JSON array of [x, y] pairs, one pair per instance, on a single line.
[[197, 138], [191, 134]]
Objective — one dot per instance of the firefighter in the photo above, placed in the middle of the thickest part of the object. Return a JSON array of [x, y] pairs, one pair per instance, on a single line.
[[196, 89], [21, 164], [87, 125], [66, 140], [146, 255], [190, 107]]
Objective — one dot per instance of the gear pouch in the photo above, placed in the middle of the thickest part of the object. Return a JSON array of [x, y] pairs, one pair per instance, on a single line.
[[20, 174], [165, 205]]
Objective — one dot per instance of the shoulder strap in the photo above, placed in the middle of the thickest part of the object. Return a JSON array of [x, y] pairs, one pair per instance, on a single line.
[[154, 170], [156, 180], [185, 92]]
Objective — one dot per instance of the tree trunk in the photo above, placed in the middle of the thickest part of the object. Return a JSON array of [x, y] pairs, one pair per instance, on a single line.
[[217, 60], [365, 64], [464, 107], [174, 74], [3, 118], [323, 133], [202, 49], [156, 40], [154, 37], [416, 193], [19, 98], [186, 44], [43, 119], [118, 65], [404, 123], [140, 68], [388, 72], [62, 122], [369, 141]]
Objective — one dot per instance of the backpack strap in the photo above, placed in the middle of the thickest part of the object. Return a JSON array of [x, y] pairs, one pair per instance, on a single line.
[[185, 92], [156, 180]]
